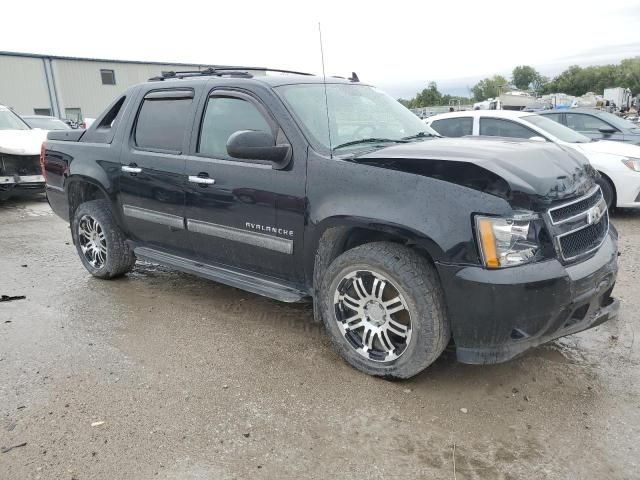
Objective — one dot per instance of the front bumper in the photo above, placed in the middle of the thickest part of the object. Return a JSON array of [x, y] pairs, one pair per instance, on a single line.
[[627, 186], [22, 182], [498, 314]]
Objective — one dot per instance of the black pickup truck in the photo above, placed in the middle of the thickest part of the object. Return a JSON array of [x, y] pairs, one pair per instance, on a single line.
[[291, 187]]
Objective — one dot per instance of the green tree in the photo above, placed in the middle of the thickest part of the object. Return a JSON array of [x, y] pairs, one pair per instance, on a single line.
[[630, 74], [489, 87], [428, 96], [524, 76], [539, 83], [576, 80]]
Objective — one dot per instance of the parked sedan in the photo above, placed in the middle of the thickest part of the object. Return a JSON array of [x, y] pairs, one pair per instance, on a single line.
[[44, 122], [597, 124], [617, 162]]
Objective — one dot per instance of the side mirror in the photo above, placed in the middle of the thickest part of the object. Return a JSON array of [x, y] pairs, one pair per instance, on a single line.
[[256, 145], [607, 130], [537, 138]]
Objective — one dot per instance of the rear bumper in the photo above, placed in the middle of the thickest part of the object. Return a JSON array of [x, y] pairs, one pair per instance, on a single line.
[[498, 314]]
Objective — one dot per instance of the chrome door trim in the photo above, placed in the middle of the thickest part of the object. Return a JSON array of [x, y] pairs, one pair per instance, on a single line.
[[167, 219], [282, 245], [128, 169]]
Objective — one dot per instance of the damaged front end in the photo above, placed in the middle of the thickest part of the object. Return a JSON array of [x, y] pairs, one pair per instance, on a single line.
[[515, 301], [20, 173], [537, 264]]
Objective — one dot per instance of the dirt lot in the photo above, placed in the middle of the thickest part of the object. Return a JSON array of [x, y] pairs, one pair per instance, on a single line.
[[195, 380]]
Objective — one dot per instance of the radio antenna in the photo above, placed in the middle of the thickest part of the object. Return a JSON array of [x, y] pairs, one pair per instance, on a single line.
[[326, 98]]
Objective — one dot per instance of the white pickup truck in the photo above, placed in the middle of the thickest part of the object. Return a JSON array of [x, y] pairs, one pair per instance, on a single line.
[[19, 155]]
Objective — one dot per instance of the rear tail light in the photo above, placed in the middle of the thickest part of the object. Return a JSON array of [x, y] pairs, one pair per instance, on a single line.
[[42, 170]]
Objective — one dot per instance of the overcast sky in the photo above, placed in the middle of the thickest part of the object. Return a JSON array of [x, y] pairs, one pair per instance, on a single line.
[[398, 45]]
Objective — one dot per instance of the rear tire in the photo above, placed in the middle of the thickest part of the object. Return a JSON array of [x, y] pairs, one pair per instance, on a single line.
[[397, 325], [608, 191], [99, 241]]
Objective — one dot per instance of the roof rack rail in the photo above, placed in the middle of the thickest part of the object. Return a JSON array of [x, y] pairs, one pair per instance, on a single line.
[[219, 71]]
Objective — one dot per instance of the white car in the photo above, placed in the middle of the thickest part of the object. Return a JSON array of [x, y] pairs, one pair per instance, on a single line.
[[19, 155], [45, 122], [617, 162]]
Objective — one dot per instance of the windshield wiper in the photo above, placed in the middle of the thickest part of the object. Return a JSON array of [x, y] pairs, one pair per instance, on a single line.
[[419, 135], [370, 140]]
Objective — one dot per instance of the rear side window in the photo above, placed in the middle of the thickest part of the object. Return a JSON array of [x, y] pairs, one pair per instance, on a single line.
[[224, 116], [162, 122], [453, 127], [496, 127]]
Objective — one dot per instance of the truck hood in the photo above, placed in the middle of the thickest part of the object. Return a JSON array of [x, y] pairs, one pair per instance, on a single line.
[[21, 142], [605, 146], [527, 174]]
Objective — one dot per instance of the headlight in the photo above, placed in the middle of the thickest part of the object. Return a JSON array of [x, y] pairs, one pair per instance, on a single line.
[[632, 163], [506, 242]]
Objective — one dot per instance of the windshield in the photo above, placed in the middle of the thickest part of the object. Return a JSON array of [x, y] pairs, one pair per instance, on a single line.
[[11, 121], [47, 123], [616, 121], [356, 112], [562, 133]]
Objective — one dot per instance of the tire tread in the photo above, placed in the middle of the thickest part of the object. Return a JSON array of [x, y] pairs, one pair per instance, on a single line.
[[120, 256], [420, 275]]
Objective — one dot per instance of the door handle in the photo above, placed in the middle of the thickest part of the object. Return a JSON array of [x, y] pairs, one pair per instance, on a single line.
[[201, 180], [131, 169]]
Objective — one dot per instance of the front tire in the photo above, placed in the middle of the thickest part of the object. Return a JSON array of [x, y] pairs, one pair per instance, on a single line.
[[608, 191], [99, 241], [383, 308]]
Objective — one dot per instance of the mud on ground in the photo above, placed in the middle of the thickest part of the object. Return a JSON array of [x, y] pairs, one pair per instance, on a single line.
[[196, 380]]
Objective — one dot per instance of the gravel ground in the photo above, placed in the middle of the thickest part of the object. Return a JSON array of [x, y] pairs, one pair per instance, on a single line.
[[189, 379]]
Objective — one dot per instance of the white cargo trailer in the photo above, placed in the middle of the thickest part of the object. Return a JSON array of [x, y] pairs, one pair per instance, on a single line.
[[620, 96]]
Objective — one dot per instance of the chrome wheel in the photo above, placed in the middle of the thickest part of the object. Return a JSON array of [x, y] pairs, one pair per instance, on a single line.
[[93, 243], [372, 315]]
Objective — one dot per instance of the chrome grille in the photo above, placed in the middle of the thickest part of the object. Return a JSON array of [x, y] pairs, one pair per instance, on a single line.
[[580, 226], [578, 207], [584, 240]]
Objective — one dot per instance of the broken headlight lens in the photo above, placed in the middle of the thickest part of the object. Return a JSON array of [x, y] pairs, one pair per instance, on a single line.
[[507, 242]]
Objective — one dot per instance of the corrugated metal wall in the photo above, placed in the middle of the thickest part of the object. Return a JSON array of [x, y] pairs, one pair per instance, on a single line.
[[23, 85], [78, 83]]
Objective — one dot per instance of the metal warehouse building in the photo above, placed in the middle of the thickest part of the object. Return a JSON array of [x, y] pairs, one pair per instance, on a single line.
[[69, 87]]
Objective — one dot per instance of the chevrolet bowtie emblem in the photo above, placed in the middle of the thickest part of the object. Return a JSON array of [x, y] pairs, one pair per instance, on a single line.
[[595, 213]]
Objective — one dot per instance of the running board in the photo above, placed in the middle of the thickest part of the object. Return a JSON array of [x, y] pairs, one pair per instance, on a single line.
[[250, 283]]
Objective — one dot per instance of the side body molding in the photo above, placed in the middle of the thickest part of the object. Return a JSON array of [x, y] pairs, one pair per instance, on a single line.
[[282, 245], [162, 218], [271, 242]]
